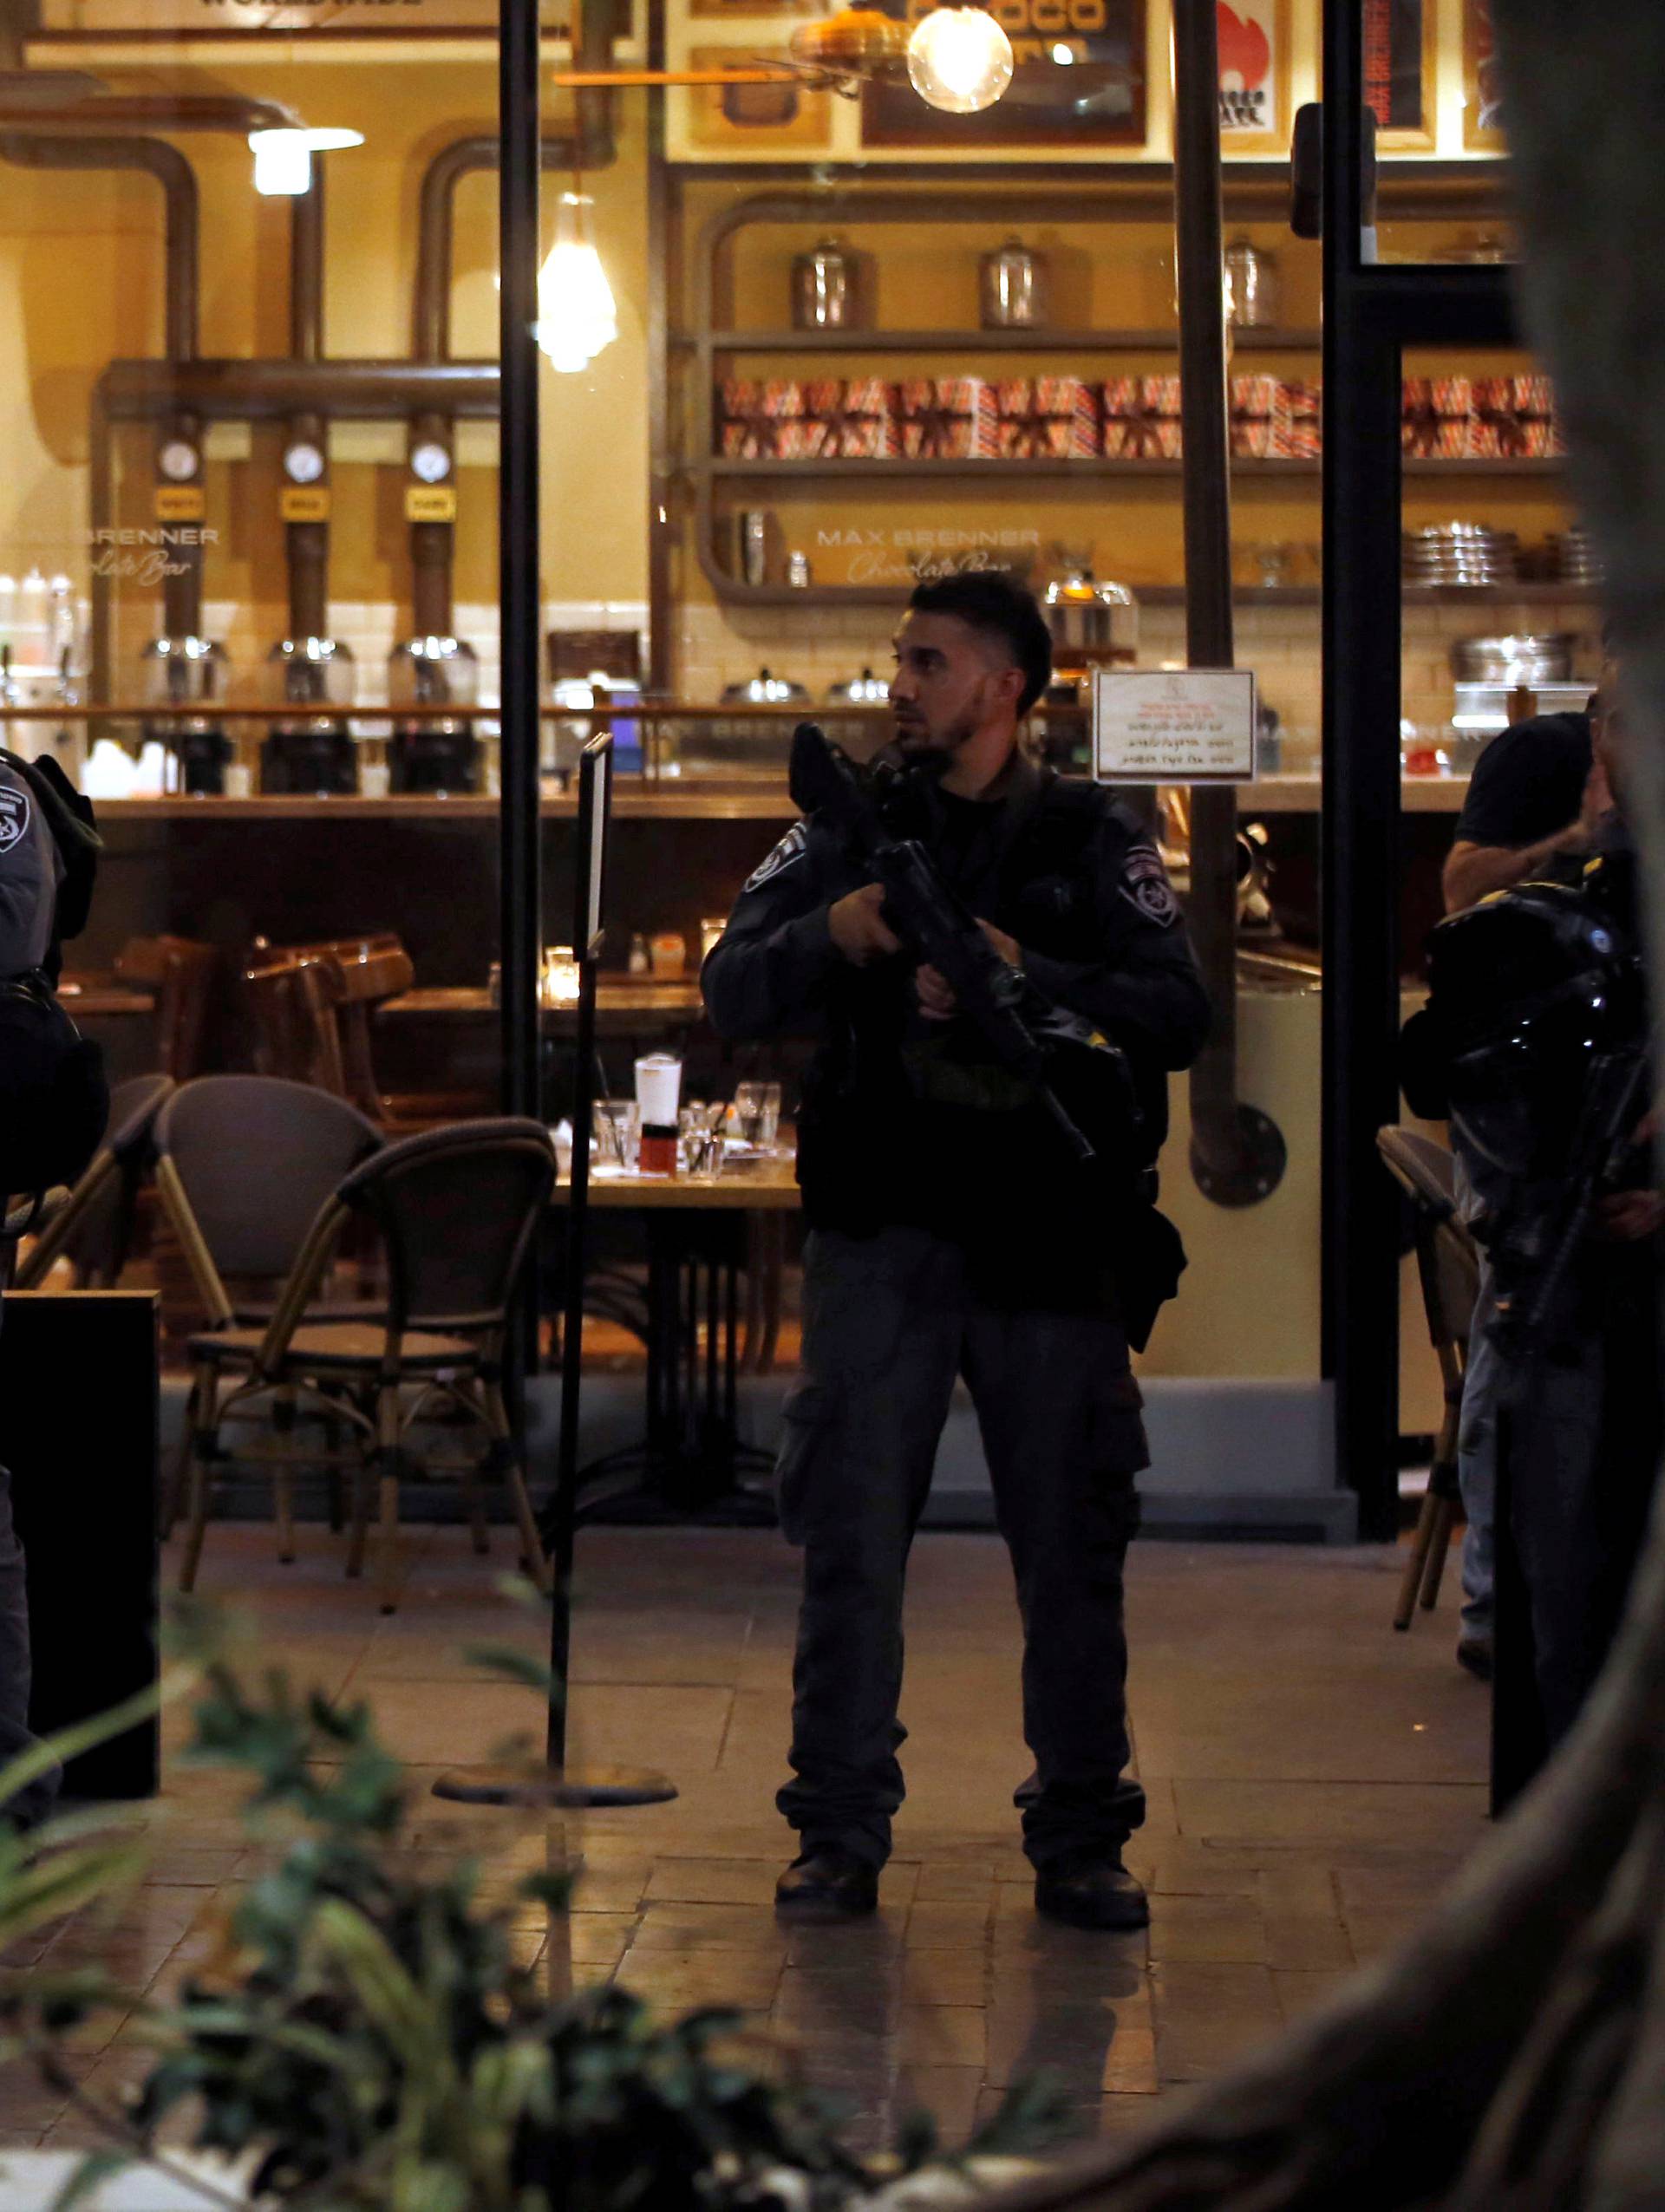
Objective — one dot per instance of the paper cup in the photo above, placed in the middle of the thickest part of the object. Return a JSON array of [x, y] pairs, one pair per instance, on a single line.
[[658, 1091]]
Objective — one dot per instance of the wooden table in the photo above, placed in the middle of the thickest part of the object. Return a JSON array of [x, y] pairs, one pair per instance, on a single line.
[[701, 1231], [744, 1186], [622, 1002], [94, 998]]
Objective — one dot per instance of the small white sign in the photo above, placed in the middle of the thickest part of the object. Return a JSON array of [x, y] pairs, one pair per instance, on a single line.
[[1173, 725]]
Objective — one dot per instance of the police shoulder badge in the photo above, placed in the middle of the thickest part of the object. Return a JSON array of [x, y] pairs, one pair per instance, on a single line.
[[14, 815], [792, 847], [1144, 884]]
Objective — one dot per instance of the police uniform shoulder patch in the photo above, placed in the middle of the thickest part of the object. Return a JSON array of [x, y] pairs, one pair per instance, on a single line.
[[14, 815], [792, 847], [1145, 884]]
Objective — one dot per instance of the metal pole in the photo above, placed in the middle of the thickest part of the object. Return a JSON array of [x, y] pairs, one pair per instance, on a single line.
[[1238, 1155], [519, 484], [1359, 865], [564, 1506]]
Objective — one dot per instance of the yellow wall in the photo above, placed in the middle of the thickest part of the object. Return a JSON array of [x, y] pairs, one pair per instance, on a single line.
[[81, 264]]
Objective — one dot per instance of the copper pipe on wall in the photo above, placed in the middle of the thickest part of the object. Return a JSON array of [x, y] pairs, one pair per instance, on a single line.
[[306, 544], [1237, 1155], [154, 158], [182, 584], [592, 146], [266, 391], [157, 111]]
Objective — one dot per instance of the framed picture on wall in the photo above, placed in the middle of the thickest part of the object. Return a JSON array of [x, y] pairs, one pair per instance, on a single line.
[[1482, 93], [737, 10], [1254, 76], [1093, 99], [1399, 70], [786, 115]]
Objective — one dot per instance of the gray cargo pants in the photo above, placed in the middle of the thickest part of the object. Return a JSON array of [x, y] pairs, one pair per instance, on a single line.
[[889, 1322]]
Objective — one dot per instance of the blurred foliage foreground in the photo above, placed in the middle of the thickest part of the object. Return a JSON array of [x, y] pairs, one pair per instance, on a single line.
[[365, 2033]]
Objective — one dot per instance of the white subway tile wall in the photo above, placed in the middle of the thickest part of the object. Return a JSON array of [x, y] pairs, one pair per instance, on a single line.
[[820, 647]]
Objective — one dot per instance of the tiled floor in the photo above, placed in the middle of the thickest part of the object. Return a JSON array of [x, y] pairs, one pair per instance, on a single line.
[[1313, 1780]]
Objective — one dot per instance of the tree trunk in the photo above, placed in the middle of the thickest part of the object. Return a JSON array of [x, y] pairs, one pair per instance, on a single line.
[[1511, 2056]]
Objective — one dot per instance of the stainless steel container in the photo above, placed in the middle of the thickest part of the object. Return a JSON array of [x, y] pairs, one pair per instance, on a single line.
[[1012, 288], [864, 691], [1253, 288], [751, 529], [824, 288], [1092, 624], [1531, 659]]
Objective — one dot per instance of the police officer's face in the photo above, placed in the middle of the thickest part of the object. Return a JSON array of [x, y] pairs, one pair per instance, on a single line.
[[950, 681]]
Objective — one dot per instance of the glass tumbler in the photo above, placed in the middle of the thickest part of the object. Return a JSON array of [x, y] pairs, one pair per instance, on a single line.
[[617, 1130]]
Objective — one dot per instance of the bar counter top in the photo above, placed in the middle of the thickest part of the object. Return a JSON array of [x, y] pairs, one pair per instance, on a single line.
[[670, 799]]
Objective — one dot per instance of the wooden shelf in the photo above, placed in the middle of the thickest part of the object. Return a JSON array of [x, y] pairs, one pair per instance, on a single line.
[[1246, 595], [1042, 341], [665, 800], [1086, 472]]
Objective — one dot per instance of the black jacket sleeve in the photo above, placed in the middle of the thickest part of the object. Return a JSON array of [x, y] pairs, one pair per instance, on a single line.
[[768, 972], [1144, 988]]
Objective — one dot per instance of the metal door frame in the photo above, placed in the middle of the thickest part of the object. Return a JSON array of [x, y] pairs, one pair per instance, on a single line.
[[1372, 313]]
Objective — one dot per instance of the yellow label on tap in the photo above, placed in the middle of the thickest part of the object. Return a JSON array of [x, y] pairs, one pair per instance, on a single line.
[[180, 503], [430, 503], [304, 503]]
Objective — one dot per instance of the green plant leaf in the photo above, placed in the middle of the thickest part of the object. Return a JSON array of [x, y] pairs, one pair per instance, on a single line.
[[95, 2168], [39, 1760], [49, 1887], [390, 1996]]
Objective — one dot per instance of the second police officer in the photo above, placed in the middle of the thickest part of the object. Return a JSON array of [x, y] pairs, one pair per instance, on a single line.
[[952, 1233]]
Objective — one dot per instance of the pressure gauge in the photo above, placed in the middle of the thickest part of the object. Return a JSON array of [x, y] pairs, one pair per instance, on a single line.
[[431, 461], [303, 462], [178, 461]]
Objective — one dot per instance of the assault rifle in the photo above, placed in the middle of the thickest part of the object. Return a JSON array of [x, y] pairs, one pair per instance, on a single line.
[[935, 926], [1534, 1247]]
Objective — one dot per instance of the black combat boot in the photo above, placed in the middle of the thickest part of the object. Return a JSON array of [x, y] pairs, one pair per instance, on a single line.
[[1091, 1892], [828, 1882]]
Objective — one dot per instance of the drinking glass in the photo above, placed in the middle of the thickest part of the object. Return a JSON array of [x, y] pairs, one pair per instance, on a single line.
[[699, 1131], [768, 1125], [618, 1129], [748, 1112]]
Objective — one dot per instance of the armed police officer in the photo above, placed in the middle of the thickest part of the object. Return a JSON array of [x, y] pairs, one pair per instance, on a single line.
[[953, 1232], [53, 1107]]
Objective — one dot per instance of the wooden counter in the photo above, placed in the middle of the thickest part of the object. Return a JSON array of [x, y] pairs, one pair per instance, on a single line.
[[699, 798]]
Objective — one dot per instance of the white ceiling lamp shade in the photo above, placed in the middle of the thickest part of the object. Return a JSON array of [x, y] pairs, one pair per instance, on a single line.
[[576, 314], [959, 59], [283, 159]]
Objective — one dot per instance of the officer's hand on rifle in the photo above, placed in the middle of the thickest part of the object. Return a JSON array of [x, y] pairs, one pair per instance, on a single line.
[[936, 999], [1629, 1216], [857, 925]]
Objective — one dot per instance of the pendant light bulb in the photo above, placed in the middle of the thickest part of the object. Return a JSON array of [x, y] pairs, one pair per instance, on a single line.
[[959, 59], [576, 314], [283, 158]]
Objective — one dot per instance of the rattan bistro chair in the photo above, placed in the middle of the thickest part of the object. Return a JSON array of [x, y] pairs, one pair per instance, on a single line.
[[456, 1211], [244, 1163], [1449, 1269], [93, 1229]]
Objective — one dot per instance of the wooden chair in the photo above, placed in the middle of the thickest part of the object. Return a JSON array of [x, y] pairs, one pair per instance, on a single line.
[[182, 973], [457, 1210], [1448, 1266], [297, 1041], [313, 1007]]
